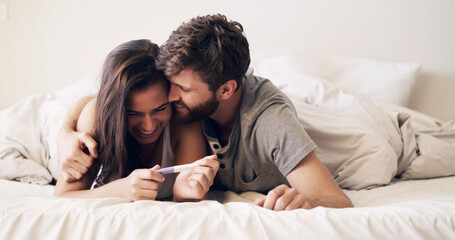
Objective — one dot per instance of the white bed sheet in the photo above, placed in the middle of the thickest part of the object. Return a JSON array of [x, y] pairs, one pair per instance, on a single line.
[[412, 209]]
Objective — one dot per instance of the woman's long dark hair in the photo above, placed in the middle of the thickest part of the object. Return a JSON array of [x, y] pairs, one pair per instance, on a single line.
[[129, 67]]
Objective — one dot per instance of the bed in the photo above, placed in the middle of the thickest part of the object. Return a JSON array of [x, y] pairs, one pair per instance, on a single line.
[[397, 165]]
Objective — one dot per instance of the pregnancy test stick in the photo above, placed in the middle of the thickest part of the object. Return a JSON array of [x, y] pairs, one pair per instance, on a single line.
[[176, 169]]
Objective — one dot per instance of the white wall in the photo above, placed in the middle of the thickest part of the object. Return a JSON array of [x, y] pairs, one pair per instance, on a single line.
[[47, 44]]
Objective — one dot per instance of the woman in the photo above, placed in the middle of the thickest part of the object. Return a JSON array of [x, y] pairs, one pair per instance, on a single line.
[[130, 119]]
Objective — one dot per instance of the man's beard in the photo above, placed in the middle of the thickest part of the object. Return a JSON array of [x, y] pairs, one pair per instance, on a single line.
[[204, 110]]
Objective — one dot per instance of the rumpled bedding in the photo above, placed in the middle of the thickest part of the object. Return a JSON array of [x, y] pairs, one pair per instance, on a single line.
[[367, 144], [364, 144], [28, 133]]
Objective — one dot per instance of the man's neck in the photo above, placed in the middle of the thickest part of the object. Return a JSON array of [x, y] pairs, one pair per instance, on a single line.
[[226, 114]]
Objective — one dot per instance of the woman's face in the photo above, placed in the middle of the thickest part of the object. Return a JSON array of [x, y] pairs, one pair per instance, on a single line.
[[148, 113]]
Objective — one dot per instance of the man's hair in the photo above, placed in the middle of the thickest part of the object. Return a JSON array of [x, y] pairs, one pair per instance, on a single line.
[[212, 46], [129, 67]]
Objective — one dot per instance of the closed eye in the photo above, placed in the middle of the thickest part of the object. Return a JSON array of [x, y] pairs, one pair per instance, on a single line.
[[132, 113], [161, 108], [182, 87]]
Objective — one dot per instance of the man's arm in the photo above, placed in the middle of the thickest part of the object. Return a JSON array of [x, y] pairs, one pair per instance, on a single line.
[[312, 179], [73, 161], [312, 186]]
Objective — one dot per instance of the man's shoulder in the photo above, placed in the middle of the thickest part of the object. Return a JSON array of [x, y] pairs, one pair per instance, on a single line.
[[260, 95]]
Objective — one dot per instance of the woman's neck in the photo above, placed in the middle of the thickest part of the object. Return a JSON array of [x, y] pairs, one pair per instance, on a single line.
[[151, 153]]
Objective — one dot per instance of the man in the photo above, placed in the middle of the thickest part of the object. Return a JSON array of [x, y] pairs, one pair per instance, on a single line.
[[251, 125]]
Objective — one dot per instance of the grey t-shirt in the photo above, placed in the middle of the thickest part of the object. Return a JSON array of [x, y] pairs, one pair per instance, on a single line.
[[266, 142]]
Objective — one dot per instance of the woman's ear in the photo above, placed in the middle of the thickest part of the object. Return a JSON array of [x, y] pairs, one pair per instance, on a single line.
[[226, 90]]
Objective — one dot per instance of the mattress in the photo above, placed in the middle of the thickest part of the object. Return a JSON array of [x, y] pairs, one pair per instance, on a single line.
[[410, 209]]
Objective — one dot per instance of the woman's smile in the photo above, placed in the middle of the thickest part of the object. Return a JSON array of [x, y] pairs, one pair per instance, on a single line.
[[147, 134]]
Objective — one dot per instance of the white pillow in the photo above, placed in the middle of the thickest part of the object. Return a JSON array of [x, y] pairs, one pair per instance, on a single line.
[[379, 81]]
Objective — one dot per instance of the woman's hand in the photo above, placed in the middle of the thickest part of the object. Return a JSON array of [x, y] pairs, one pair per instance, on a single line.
[[142, 184], [194, 184]]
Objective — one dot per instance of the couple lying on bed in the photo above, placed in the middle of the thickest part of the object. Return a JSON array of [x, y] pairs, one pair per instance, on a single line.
[[248, 125]]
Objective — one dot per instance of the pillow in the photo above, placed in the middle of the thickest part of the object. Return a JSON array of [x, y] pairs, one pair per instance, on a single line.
[[357, 141], [379, 81]]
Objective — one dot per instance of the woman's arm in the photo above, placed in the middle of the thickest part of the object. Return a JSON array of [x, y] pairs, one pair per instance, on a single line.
[[140, 184], [76, 189], [190, 146]]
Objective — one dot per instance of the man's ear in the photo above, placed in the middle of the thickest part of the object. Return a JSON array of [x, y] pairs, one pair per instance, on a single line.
[[226, 90]]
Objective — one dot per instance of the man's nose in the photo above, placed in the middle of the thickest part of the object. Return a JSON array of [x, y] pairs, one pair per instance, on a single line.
[[174, 94]]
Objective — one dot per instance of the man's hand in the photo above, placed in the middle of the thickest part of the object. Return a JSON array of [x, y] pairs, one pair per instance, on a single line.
[[202, 176], [283, 198], [199, 179], [76, 151], [304, 192]]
